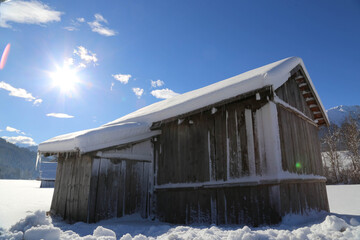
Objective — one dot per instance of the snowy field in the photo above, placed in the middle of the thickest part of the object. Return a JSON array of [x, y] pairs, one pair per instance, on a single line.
[[23, 205]]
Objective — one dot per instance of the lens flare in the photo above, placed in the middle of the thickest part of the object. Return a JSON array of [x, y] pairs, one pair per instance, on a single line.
[[298, 165], [4, 56]]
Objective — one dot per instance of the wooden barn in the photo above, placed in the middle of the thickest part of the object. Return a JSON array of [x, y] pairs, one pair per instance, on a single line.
[[241, 151]]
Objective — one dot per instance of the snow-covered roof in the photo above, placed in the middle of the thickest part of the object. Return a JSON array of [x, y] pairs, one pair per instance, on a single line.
[[136, 125]]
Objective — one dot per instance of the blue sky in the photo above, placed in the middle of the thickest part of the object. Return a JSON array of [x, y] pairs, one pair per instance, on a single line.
[[157, 49]]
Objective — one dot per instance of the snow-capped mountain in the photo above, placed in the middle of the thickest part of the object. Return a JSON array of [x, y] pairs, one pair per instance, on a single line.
[[339, 114]]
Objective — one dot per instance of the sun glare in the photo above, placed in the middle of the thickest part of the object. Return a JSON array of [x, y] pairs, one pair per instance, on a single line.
[[65, 79]]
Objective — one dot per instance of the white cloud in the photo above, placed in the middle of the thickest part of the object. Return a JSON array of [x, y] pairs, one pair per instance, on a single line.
[[82, 65], [80, 20], [28, 12], [19, 92], [112, 85], [37, 102], [71, 28], [74, 24], [96, 26], [69, 61], [123, 78], [20, 140], [157, 83], [85, 55], [164, 93], [138, 92], [59, 115], [11, 129]]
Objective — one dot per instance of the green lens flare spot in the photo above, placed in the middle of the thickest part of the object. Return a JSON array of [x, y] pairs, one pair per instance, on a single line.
[[298, 165]]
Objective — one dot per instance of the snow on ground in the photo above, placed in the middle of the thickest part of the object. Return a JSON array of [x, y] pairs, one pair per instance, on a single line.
[[19, 197], [344, 199]]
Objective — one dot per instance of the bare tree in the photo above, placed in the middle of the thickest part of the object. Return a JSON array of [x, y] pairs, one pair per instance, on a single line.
[[331, 141], [351, 137]]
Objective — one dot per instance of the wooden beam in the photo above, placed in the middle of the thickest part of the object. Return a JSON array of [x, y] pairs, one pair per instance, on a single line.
[[298, 113], [125, 156], [191, 186]]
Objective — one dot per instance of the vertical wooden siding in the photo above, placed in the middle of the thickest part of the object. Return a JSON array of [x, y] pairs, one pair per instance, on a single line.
[[235, 205], [299, 198], [72, 185], [91, 189], [300, 145], [290, 92], [213, 145], [118, 188], [210, 145]]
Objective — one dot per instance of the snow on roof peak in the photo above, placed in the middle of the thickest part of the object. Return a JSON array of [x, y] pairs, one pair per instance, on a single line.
[[245, 82], [136, 125]]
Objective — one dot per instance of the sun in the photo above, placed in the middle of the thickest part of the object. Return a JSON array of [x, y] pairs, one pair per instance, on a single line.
[[65, 78]]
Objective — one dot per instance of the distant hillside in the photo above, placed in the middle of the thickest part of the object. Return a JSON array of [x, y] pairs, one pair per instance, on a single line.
[[16, 162], [32, 148], [337, 115]]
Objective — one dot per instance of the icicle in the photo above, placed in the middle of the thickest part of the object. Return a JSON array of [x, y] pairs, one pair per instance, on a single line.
[[38, 159], [180, 120], [257, 96]]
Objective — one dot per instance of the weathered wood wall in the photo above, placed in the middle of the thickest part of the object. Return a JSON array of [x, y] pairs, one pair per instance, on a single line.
[[72, 186], [90, 188], [290, 93], [299, 198], [229, 144], [218, 147], [250, 205], [229, 205], [212, 145], [221, 144], [118, 188], [300, 145]]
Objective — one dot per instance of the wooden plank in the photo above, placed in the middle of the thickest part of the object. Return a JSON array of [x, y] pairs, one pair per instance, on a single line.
[[211, 149], [129, 201], [63, 189], [180, 159], [234, 151], [69, 194], [95, 168], [84, 189], [258, 140], [73, 197], [100, 212], [243, 142], [250, 141], [122, 190], [220, 144], [221, 206], [56, 195]]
